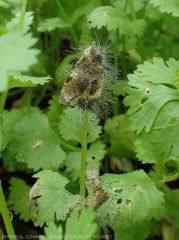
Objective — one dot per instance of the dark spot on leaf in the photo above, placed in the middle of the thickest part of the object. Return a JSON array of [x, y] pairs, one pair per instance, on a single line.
[[143, 100], [93, 158], [128, 201], [119, 201], [147, 90], [119, 190]]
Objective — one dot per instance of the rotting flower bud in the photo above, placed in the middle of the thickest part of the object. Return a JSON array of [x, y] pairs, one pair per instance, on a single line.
[[89, 84]]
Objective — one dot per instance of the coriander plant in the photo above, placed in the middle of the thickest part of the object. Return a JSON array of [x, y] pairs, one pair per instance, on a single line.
[[89, 118]]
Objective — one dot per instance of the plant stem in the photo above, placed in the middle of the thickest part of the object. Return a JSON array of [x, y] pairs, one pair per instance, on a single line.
[[168, 178], [83, 152], [134, 18], [3, 101], [5, 215], [23, 10], [70, 147], [65, 17]]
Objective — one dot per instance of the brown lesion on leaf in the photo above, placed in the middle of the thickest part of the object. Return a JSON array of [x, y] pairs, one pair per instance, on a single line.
[[33, 206], [96, 195], [93, 182]]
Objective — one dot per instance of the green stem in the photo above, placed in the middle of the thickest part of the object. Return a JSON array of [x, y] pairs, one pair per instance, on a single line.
[[70, 147], [124, 63], [23, 10], [65, 17], [168, 178], [132, 10], [3, 100], [83, 152], [5, 215], [134, 17]]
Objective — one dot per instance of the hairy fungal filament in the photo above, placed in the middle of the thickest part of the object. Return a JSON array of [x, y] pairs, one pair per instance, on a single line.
[[92, 74]]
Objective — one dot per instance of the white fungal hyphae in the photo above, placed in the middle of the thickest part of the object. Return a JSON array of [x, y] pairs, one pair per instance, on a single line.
[[88, 84]]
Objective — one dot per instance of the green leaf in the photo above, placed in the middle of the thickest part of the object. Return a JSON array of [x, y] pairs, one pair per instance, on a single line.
[[11, 164], [52, 230], [120, 135], [112, 19], [18, 80], [19, 198], [176, 79], [82, 223], [10, 118], [158, 71], [154, 147], [71, 126], [133, 28], [95, 154], [162, 144], [146, 150], [77, 225], [148, 97], [167, 126], [51, 24], [54, 200], [132, 190], [80, 11], [106, 16], [55, 111], [129, 230], [138, 5], [35, 143], [16, 55], [172, 198], [13, 24], [168, 6]]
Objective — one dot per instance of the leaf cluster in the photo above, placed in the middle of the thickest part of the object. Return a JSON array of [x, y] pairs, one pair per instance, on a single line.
[[138, 142]]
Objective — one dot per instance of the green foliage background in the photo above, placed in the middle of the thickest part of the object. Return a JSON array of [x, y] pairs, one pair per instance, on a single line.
[[136, 148]]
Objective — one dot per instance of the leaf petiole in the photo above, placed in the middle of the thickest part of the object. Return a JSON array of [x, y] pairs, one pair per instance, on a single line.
[[5, 215], [83, 152]]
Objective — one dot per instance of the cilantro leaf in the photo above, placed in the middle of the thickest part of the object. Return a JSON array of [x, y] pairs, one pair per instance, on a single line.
[[168, 6], [133, 230], [148, 97], [112, 19], [19, 200], [18, 80], [77, 224], [52, 229], [22, 57], [71, 126], [106, 16], [35, 143], [161, 140], [120, 135], [54, 200], [133, 28], [11, 164], [95, 154], [80, 224], [141, 191], [55, 111], [146, 150], [13, 24], [50, 24], [158, 71]]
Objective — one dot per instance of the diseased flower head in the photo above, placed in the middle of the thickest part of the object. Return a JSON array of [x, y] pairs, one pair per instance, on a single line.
[[89, 84]]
